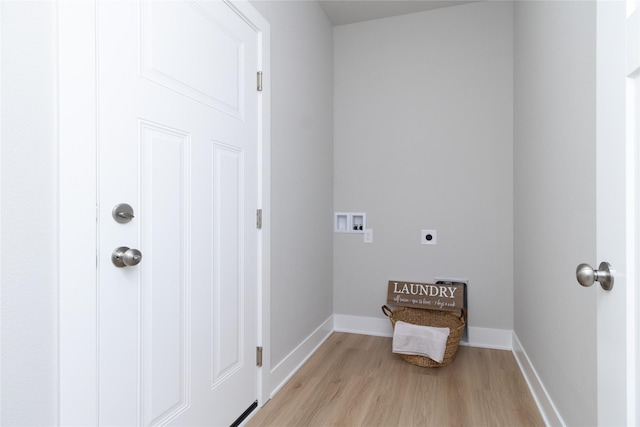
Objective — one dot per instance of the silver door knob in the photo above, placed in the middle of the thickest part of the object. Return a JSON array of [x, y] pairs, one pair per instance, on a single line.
[[586, 275], [123, 256]]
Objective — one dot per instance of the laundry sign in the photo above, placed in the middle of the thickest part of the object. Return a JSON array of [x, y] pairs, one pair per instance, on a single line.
[[446, 297]]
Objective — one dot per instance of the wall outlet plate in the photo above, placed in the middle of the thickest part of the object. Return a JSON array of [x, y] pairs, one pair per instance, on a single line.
[[428, 237], [368, 235]]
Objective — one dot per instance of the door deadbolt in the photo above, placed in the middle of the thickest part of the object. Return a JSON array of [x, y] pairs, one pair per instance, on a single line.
[[124, 256], [122, 213]]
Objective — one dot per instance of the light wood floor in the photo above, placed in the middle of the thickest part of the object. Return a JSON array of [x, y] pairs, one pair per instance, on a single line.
[[355, 380]]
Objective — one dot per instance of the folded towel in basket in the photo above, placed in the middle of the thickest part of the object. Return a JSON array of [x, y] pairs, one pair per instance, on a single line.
[[420, 340]]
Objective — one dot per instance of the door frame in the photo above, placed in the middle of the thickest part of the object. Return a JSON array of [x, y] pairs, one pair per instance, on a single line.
[[77, 207], [617, 379]]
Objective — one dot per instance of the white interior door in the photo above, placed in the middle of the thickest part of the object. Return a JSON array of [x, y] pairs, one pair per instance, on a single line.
[[177, 141], [617, 214], [632, 32]]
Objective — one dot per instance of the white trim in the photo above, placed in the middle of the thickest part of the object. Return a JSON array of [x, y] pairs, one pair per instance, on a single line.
[[499, 339], [281, 373], [478, 337], [614, 348], [546, 406], [1, 108], [633, 211], [362, 325], [77, 89], [263, 30], [78, 345]]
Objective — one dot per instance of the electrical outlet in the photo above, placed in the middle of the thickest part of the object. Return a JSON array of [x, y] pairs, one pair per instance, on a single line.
[[428, 237], [368, 235]]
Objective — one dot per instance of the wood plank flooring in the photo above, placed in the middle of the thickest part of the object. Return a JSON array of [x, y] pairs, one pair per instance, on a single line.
[[355, 380]]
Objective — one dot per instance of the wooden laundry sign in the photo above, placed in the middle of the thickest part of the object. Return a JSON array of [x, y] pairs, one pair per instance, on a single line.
[[445, 297]]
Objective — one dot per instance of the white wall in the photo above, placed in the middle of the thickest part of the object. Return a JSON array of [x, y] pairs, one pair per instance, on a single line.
[[554, 199], [28, 260], [424, 140], [301, 171]]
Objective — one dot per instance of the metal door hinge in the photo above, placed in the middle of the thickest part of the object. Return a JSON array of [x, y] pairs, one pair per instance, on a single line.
[[259, 81], [259, 356], [259, 219]]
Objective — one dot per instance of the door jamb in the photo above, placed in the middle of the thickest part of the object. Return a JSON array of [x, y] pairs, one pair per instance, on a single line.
[[77, 201]]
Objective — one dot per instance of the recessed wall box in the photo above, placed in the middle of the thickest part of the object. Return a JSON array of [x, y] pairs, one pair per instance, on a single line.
[[358, 222], [341, 222], [350, 222], [463, 283]]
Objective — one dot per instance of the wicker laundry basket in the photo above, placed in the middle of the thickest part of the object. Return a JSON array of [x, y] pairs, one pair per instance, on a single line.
[[435, 318]]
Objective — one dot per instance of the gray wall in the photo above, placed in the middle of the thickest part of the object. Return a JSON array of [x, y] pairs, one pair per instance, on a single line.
[[423, 117], [554, 199], [301, 171], [28, 312]]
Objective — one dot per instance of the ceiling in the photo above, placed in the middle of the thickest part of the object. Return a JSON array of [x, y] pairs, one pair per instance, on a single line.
[[342, 12]]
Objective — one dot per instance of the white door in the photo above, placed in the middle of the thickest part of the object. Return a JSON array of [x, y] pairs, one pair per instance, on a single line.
[[617, 214], [177, 141]]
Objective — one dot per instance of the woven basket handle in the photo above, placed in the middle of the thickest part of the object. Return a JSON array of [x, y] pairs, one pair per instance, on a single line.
[[386, 311]]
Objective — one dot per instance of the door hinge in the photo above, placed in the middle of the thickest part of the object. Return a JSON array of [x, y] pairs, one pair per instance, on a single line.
[[259, 219], [259, 356], [259, 81]]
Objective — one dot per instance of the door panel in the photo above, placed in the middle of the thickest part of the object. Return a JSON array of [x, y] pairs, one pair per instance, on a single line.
[[165, 286], [227, 304], [178, 139], [167, 32]]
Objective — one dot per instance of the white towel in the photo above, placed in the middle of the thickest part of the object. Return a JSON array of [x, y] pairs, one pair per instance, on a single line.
[[420, 340]]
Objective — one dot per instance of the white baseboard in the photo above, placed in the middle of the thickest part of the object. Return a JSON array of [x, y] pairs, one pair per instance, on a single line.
[[293, 361], [499, 339], [545, 404], [362, 325], [478, 337]]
